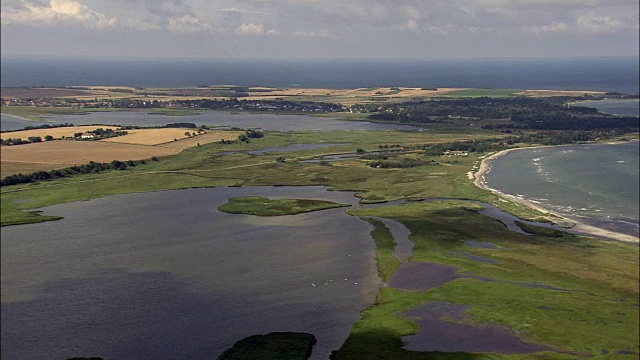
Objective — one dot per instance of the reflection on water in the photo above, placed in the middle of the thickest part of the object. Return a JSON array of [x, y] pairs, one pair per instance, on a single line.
[[165, 275]]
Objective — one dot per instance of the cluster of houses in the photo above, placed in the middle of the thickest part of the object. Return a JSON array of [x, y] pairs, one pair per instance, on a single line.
[[455, 153]]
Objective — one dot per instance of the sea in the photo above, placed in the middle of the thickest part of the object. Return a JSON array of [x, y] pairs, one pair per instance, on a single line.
[[596, 184], [609, 74]]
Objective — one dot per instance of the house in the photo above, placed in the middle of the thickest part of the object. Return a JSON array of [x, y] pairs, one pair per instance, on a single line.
[[88, 135], [455, 153]]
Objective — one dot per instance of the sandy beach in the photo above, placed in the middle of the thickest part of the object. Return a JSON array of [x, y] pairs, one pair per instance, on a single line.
[[571, 225]]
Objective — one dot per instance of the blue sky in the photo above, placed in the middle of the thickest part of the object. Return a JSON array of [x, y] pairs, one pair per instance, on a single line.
[[261, 29]]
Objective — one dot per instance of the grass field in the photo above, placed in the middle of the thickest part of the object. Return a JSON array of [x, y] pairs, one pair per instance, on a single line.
[[482, 92], [262, 206], [584, 306]]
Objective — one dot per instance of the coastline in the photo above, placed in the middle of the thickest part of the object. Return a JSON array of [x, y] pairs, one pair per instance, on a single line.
[[570, 225]]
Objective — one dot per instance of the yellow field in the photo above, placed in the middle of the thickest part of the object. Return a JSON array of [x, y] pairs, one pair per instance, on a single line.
[[57, 133], [167, 136], [151, 136], [64, 153], [58, 154]]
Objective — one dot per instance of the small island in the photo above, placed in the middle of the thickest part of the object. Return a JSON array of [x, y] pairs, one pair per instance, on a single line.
[[262, 206], [276, 345]]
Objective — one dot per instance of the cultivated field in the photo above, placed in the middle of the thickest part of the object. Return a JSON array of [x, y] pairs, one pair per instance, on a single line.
[[57, 133], [161, 136], [58, 154]]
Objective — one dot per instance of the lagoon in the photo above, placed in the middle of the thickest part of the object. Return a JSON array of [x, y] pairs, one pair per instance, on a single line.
[[166, 275], [267, 122]]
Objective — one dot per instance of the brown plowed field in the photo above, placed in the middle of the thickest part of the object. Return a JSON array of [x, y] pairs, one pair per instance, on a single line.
[[161, 136], [58, 154], [55, 132], [64, 153]]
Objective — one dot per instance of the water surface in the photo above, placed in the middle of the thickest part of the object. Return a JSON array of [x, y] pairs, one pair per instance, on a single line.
[[273, 122], [595, 184], [165, 275]]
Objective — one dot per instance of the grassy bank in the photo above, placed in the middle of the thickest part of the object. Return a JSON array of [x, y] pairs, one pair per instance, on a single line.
[[204, 166], [576, 294], [262, 206]]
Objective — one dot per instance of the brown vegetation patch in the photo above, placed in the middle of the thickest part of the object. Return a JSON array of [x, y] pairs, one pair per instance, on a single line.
[[167, 136], [152, 136], [55, 132], [58, 154], [206, 138]]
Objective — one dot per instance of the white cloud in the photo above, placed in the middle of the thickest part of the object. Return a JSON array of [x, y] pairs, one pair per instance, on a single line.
[[255, 29], [57, 12], [554, 27], [598, 24], [314, 34], [186, 24], [412, 24]]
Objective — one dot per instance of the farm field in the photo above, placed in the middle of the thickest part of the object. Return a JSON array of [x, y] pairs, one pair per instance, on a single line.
[[167, 135], [346, 97], [57, 133], [58, 154], [138, 144]]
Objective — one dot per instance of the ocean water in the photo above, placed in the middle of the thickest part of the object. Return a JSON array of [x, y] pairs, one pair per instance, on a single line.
[[601, 74], [595, 184], [627, 107]]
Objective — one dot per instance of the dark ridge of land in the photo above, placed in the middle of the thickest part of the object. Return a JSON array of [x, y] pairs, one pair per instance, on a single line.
[[272, 346]]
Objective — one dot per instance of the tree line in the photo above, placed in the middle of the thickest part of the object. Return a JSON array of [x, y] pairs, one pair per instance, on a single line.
[[523, 113], [89, 168]]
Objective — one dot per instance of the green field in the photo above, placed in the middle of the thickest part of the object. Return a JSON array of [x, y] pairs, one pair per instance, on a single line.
[[584, 303], [262, 206], [482, 92]]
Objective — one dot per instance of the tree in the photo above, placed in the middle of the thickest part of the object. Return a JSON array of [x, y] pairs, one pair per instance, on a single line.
[[34, 139], [48, 138]]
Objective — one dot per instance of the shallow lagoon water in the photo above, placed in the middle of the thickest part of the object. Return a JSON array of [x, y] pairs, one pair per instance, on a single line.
[[270, 122], [165, 275]]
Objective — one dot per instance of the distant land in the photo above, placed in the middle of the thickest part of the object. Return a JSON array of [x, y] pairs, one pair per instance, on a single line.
[[606, 74]]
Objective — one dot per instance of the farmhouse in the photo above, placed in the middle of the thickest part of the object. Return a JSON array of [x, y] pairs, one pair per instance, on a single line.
[[455, 153], [88, 135]]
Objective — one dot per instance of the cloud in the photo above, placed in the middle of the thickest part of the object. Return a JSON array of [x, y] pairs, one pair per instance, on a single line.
[[598, 24], [57, 12], [314, 34], [554, 27], [186, 24], [255, 29]]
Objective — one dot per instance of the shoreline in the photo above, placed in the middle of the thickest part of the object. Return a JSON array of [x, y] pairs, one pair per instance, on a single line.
[[570, 225]]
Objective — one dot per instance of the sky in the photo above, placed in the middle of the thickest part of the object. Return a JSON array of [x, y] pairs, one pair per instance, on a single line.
[[303, 29]]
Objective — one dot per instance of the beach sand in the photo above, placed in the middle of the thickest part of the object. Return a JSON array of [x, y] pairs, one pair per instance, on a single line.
[[571, 225]]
